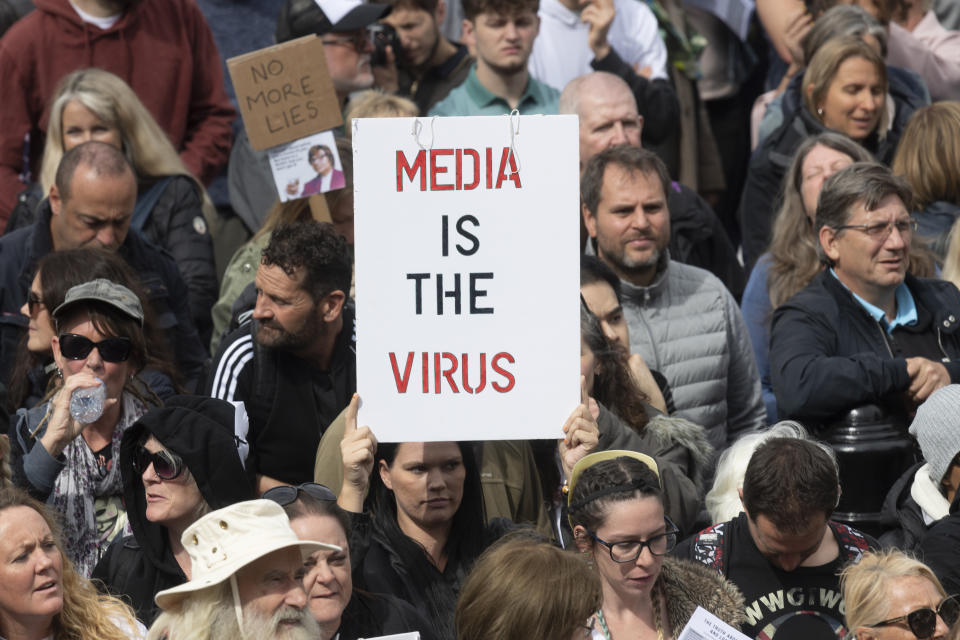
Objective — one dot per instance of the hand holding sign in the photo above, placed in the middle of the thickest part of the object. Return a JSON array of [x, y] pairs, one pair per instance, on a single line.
[[582, 432], [357, 449]]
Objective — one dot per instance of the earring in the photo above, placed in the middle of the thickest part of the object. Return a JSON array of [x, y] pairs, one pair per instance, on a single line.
[[820, 112], [59, 373]]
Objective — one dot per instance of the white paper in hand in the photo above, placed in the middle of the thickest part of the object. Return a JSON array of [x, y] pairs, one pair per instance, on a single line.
[[703, 625], [413, 635]]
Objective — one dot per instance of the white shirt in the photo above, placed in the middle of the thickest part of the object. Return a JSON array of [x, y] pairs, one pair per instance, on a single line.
[[101, 23], [561, 52]]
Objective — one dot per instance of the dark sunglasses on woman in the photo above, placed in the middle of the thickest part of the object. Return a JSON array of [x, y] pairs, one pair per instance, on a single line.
[[286, 494], [923, 622], [76, 347], [166, 464]]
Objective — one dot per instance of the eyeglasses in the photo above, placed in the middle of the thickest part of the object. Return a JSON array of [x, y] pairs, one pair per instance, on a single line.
[[166, 464], [287, 495], [630, 550], [882, 230], [360, 42], [923, 622], [110, 349], [33, 301]]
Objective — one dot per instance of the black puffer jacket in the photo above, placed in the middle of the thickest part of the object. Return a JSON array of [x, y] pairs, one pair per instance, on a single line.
[[176, 224], [201, 431], [940, 548], [903, 515], [828, 355]]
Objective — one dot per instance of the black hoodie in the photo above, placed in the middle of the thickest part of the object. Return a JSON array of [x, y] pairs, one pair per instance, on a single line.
[[201, 431]]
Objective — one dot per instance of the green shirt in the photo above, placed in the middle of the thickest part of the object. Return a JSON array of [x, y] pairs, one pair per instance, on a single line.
[[473, 99]]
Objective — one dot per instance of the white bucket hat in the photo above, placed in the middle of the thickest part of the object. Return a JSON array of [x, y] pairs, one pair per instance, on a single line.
[[226, 540]]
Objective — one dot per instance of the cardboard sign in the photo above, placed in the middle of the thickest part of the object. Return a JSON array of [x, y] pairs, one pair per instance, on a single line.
[[285, 92], [467, 276]]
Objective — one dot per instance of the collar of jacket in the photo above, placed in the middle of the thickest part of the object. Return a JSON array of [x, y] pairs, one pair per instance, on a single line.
[[643, 293]]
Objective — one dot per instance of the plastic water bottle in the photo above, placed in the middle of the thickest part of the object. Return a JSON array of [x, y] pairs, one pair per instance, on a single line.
[[86, 404]]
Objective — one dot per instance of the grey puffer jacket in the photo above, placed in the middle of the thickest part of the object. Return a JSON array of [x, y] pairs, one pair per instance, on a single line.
[[687, 326]]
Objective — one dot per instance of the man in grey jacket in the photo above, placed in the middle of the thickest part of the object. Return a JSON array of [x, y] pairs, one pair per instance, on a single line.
[[682, 319]]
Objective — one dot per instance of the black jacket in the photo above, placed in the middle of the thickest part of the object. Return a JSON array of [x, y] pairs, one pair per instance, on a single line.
[[902, 515], [137, 567], [290, 403], [940, 548], [371, 615], [176, 224], [828, 355], [762, 192], [21, 250], [697, 238]]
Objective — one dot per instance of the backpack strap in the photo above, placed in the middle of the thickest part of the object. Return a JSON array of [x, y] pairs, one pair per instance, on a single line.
[[709, 547], [147, 201]]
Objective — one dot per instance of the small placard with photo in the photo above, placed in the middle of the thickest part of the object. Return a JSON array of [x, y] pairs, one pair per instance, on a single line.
[[306, 167]]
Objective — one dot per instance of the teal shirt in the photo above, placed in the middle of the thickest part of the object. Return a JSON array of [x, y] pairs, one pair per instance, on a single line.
[[472, 99], [906, 307]]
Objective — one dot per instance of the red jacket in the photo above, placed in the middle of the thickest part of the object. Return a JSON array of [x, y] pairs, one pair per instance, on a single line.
[[162, 48]]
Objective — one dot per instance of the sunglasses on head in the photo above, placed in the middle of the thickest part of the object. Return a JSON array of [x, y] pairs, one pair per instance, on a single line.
[[77, 347], [166, 464], [287, 495], [923, 622]]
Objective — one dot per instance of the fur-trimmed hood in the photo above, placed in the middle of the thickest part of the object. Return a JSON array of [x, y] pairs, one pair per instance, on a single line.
[[672, 430], [688, 585]]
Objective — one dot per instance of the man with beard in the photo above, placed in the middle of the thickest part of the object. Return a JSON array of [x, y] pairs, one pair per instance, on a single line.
[[683, 321], [500, 33], [428, 65], [294, 363], [162, 48], [245, 581]]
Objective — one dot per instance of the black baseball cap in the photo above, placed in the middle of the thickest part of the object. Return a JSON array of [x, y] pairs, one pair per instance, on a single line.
[[299, 18]]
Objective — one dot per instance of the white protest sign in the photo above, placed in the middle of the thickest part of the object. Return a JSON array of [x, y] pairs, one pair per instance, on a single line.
[[467, 276], [703, 625], [306, 167], [414, 635]]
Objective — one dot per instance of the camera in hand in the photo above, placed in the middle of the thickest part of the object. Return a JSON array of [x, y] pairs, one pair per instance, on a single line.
[[383, 36]]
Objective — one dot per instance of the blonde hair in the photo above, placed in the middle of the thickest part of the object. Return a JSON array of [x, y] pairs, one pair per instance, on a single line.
[[507, 597], [928, 154], [823, 68], [865, 585], [146, 145], [376, 104], [86, 614]]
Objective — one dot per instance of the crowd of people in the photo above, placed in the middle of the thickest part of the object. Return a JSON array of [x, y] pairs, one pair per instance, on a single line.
[[769, 419]]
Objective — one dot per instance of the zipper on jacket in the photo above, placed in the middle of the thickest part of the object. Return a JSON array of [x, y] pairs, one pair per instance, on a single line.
[[946, 358], [883, 337]]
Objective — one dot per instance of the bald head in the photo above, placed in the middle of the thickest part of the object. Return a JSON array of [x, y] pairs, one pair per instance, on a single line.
[[607, 110]]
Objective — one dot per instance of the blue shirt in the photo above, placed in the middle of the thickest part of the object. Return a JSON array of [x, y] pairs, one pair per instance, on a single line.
[[906, 307], [473, 99]]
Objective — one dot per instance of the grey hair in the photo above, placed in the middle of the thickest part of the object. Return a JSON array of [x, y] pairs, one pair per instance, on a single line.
[[843, 20], [723, 500], [866, 183]]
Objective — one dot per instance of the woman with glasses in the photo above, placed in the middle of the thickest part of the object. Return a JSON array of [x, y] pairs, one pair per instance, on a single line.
[[341, 611], [890, 596], [616, 510], [178, 462], [34, 374], [523, 587], [98, 342]]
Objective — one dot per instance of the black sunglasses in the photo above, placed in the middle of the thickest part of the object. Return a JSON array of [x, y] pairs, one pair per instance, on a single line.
[[166, 464], [923, 622], [33, 301], [110, 349], [287, 495]]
